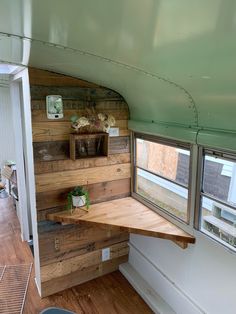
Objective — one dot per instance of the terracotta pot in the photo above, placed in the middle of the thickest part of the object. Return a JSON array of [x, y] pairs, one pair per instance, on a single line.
[[78, 201]]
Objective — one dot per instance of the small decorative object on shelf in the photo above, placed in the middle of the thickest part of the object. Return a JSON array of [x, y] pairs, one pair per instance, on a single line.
[[90, 136], [78, 198], [92, 122]]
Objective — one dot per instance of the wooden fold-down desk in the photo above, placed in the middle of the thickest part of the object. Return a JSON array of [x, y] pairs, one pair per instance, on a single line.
[[126, 214]]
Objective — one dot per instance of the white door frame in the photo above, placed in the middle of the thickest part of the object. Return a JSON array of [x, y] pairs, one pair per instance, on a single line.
[[21, 108], [18, 112]]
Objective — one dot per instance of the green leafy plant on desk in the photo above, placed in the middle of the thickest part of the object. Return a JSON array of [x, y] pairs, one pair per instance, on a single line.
[[78, 198]]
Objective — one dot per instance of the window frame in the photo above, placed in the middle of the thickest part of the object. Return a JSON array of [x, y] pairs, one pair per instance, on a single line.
[[186, 225], [222, 154]]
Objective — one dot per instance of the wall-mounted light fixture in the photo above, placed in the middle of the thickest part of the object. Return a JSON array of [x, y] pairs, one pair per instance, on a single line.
[[54, 107]]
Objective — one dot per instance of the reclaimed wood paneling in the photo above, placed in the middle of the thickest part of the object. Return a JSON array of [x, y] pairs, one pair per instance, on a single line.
[[88, 94], [80, 262], [64, 179], [41, 116], [59, 150], [47, 78], [90, 145], [64, 282], [42, 214], [64, 165], [69, 241], [70, 255], [81, 105], [60, 130], [98, 193], [120, 144]]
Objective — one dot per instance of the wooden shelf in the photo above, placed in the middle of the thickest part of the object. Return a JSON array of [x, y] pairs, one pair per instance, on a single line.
[[127, 214], [92, 145]]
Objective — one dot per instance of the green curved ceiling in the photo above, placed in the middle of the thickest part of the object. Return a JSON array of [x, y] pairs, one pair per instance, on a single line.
[[172, 60]]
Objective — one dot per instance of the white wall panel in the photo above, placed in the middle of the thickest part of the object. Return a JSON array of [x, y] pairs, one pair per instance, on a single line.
[[7, 150], [200, 279]]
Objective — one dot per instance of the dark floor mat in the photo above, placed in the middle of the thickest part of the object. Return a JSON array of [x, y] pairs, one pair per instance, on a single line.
[[3, 194], [55, 310]]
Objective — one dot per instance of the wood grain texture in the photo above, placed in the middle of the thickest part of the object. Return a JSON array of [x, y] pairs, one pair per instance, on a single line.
[[120, 144], [66, 251], [60, 130], [14, 251], [41, 115], [98, 192], [58, 180], [47, 78], [96, 147], [129, 215], [101, 105], [81, 262], [59, 150], [102, 302], [47, 151], [111, 291], [64, 165], [42, 214], [64, 282], [74, 240], [88, 95]]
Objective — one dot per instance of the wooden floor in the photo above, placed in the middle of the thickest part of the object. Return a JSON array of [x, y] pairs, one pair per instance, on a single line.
[[110, 294]]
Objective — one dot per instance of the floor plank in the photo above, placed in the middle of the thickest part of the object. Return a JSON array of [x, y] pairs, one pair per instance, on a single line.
[[108, 294]]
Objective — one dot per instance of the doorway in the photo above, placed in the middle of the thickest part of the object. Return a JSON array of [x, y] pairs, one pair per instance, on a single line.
[[19, 136], [12, 143]]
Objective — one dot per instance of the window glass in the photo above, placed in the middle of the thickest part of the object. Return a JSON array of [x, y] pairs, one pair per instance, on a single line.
[[165, 194], [218, 179], [162, 176], [218, 200], [167, 161]]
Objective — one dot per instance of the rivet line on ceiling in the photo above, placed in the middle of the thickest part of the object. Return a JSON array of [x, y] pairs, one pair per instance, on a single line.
[[115, 62]]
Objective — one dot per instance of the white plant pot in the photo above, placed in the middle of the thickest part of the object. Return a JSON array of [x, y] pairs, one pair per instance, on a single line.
[[78, 201]]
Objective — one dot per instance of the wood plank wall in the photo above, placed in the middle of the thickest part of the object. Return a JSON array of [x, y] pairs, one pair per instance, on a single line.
[[70, 254]]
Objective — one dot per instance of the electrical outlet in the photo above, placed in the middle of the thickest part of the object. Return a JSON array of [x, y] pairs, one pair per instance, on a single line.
[[105, 254], [114, 132], [57, 244]]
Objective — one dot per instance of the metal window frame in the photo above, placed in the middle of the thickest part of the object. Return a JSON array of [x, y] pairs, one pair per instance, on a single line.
[[186, 225], [164, 178], [229, 156], [198, 199], [220, 153]]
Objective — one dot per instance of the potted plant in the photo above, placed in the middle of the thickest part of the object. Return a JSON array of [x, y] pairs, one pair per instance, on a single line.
[[78, 197]]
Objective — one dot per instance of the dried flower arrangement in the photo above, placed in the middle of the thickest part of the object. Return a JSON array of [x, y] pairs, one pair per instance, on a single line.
[[92, 122]]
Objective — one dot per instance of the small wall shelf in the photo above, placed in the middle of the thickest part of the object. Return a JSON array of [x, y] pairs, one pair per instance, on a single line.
[[88, 145]]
